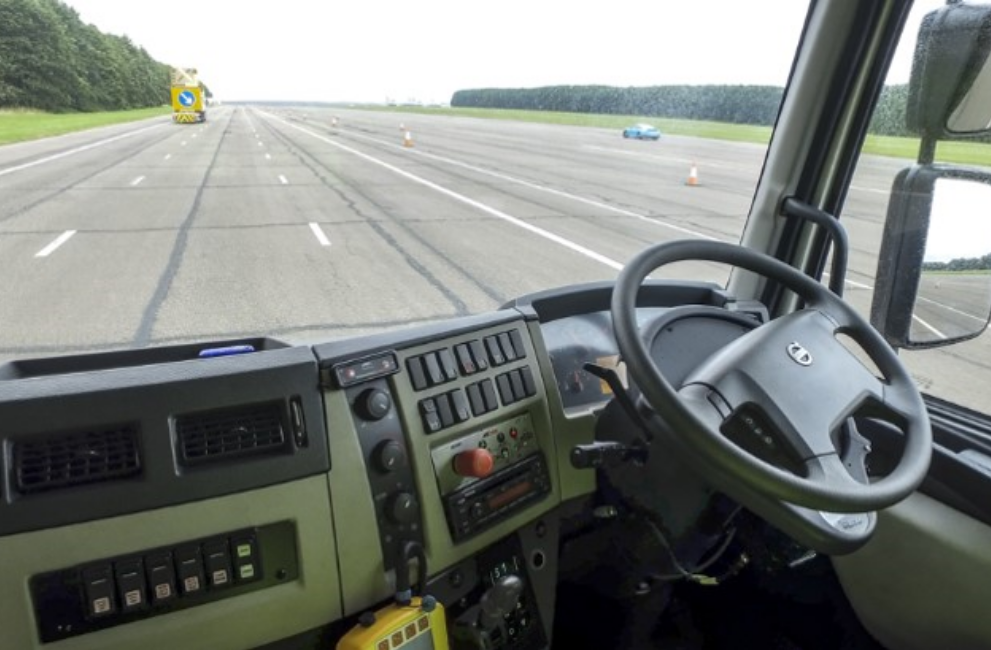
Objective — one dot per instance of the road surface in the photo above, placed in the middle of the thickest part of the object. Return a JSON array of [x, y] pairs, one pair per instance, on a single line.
[[281, 222]]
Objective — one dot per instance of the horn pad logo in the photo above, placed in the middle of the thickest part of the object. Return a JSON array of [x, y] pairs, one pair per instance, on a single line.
[[799, 354]]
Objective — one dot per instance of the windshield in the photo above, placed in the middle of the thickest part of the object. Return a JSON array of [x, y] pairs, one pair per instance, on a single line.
[[360, 166]]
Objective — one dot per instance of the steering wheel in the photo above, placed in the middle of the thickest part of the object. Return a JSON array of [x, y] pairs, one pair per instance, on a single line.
[[784, 388]]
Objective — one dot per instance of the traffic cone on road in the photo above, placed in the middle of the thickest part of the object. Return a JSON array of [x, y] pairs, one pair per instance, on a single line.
[[408, 139], [693, 176]]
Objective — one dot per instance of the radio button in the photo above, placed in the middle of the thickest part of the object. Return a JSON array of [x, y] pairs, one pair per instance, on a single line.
[[474, 463]]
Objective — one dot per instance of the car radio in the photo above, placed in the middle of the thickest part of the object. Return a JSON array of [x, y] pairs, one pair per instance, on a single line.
[[486, 476]]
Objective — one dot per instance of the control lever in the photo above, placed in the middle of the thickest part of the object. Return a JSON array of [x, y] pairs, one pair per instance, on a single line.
[[857, 448], [606, 454], [609, 376], [482, 625], [498, 601]]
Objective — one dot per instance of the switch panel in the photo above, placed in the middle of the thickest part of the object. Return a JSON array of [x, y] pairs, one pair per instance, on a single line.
[[113, 591]]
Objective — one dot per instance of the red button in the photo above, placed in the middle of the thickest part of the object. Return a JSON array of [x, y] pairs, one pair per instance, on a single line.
[[474, 463]]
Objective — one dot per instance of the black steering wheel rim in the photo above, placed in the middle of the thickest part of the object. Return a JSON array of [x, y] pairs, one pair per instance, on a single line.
[[718, 453]]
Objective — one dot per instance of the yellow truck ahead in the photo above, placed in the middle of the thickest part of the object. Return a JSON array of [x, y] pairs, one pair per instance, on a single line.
[[188, 97]]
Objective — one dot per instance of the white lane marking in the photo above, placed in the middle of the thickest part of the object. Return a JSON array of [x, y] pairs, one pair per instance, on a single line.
[[861, 285], [194, 135], [183, 143], [137, 181], [167, 156], [852, 283], [928, 326], [979, 319], [868, 189], [573, 197], [260, 143], [61, 239], [551, 190], [70, 152], [268, 156], [283, 179], [557, 239], [319, 234]]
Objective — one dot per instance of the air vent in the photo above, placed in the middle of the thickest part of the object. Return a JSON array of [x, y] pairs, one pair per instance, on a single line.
[[231, 433], [64, 460]]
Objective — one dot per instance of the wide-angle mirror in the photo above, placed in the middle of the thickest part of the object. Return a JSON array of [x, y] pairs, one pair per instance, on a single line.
[[933, 283], [954, 297]]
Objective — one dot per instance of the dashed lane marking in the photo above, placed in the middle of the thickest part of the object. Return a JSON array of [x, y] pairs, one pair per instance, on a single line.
[[540, 232], [61, 239], [319, 234]]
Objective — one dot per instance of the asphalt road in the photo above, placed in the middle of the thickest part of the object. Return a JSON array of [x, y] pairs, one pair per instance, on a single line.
[[278, 221]]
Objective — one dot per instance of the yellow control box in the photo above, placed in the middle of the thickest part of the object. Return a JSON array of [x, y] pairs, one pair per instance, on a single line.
[[406, 627]]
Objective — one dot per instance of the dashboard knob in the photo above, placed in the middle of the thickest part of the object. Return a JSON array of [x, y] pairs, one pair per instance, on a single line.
[[474, 463], [373, 404], [402, 508], [389, 456]]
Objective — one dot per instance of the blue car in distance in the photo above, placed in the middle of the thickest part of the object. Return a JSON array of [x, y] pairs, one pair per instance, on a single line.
[[642, 132]]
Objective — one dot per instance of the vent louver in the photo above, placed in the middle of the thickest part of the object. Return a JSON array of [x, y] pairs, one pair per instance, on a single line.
[[64, 460], [231, 433]]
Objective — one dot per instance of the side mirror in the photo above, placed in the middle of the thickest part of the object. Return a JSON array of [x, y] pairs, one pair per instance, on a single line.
[[933, 284], [949, 92]]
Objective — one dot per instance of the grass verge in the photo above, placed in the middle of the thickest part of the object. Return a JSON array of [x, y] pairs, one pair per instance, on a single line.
[[957, 152], [20, 125]]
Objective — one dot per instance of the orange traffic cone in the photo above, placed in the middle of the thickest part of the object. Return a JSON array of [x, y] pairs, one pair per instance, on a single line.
[[408, 140], [693, 176]]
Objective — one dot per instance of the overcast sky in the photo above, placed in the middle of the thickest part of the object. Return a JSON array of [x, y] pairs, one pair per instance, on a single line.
[[370, 50]]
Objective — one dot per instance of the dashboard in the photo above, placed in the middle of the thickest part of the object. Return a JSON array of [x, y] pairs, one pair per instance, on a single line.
[[252, 493]]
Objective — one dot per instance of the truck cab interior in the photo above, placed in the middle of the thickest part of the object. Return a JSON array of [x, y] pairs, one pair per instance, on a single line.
[[657, 461]]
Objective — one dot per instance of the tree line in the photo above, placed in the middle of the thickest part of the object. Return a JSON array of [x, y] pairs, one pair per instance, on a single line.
[[718, 103], [982, 263], [50, 60]]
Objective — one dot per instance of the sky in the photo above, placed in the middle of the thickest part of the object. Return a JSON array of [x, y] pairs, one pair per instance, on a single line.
[[959, 226], [374, 50]]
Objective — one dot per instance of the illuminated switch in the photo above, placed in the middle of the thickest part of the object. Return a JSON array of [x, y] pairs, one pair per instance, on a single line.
[[189, 569], [247, 568], [131, 585], [217, 560], [161, 577], [98, 583]]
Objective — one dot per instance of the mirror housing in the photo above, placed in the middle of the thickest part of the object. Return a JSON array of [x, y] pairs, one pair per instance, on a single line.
[[933, 281], [949, 93]]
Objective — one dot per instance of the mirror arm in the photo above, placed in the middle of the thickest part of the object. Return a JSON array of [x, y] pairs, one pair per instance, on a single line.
[[927, 149], [795, 208]]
